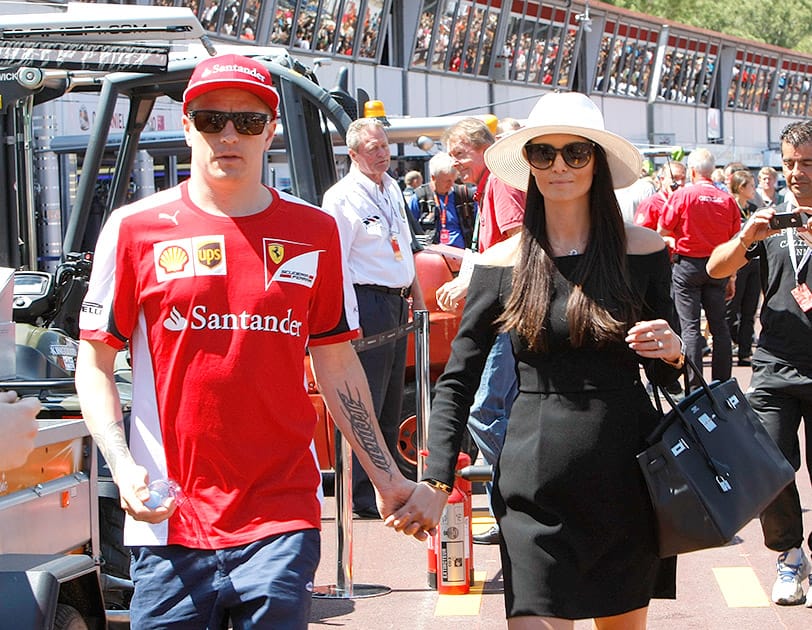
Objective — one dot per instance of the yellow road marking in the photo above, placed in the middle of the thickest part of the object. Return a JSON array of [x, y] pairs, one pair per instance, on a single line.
[[481, 524], [467, 605], [740, 587]]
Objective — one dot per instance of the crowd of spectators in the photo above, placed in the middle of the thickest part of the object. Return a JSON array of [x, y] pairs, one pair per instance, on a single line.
[[462, 45], [536, 50], [322, 32]]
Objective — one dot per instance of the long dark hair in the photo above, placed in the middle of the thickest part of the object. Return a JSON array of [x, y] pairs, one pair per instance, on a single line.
[[604, 265]]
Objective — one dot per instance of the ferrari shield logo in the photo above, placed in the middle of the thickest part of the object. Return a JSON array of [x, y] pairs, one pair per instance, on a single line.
[[276, 252], [289, 262]]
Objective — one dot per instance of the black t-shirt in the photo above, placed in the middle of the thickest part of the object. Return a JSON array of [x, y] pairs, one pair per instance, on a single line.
[[786, 330]]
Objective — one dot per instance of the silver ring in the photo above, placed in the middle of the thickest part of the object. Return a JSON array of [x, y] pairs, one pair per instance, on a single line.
[[659, 344]]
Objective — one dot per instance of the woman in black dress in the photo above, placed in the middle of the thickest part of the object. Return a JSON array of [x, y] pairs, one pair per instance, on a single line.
[[585, 298]]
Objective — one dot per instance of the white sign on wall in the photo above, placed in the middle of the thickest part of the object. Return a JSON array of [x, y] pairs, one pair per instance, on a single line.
[[714, 124]]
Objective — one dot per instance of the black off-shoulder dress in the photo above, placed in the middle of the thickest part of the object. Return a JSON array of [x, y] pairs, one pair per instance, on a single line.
[[577, 526]]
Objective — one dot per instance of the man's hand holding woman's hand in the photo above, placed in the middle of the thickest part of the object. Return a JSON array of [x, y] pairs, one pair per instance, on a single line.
[[419, 516]]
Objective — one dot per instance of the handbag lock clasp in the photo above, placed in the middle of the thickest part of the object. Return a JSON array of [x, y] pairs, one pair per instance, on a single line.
[[724, 484]]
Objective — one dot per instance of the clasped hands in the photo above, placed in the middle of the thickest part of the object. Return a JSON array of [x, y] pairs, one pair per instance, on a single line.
[[419, 515]]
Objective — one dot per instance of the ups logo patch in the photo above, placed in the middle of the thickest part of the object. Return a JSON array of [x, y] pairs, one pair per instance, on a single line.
[[210, 254]]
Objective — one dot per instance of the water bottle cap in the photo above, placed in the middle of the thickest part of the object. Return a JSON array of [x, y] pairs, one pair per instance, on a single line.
[[160, 490]]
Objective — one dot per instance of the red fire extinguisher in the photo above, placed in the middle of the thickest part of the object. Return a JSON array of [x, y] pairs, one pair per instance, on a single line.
[[450, 552], [453, 576], [466, 487], [432, 563], [431, 572]]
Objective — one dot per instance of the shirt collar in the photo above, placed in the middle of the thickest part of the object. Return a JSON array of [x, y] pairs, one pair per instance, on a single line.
[[369, 185]]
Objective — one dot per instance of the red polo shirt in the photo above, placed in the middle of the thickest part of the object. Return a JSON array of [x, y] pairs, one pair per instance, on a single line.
[[649, 210], [701, 217]]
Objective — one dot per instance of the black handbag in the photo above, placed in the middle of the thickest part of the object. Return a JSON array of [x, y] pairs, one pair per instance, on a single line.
[[710, 467]]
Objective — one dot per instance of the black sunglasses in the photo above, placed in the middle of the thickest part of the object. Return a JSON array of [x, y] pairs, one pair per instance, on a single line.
[[246, 123], [575, 154]]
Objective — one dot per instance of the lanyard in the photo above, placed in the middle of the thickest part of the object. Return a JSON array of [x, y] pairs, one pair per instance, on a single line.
[[796, 266], [389, 213], [442, 204], [478, 196]]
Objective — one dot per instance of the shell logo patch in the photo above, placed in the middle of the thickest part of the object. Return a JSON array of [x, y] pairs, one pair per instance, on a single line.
[[173, 259], [190, 257]]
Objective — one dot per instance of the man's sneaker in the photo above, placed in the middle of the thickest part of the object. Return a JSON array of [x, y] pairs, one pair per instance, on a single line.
[[793, 570], [809, 593]]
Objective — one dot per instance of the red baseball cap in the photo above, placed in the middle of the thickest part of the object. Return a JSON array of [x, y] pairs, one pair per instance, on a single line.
[[231, 71]]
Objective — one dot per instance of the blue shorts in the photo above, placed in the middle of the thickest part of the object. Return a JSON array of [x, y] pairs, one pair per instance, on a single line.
[[264, 584]]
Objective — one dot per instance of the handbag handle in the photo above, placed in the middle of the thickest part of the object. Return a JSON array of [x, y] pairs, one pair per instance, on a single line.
[[720, 470], [689, 367]]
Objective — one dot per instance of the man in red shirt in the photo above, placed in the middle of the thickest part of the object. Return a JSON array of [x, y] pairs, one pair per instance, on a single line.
[[671, 178], [220, 285], [699, 217]]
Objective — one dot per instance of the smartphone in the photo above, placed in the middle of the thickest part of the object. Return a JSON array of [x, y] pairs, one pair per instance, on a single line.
[[785, 220]]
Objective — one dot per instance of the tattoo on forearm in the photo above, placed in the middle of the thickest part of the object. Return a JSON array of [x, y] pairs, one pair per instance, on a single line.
[[358, 416], [112, 442]]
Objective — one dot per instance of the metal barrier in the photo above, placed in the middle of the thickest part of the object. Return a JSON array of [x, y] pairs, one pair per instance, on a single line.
[[344, 587]]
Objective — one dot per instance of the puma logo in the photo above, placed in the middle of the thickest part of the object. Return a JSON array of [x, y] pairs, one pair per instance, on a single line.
[[169, 217]]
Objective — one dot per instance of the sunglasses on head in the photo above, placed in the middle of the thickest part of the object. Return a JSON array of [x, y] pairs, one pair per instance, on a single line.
[[575, 154], [246, 123]]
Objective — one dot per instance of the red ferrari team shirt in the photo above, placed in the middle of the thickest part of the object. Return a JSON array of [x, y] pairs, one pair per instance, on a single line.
[[218, 312], [701, 217]]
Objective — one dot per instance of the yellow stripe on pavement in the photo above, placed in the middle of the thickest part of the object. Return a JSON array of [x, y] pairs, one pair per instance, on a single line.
[[740, 587], [467, 605], [481, 524]]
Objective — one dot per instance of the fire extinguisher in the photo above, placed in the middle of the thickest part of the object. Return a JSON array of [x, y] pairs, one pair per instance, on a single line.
[[466, 487], [453, 576], [451, 547], [431, 571]]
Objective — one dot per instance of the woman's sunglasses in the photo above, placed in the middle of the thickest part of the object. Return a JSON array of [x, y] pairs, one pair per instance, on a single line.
[[246, 123], [575, 154]]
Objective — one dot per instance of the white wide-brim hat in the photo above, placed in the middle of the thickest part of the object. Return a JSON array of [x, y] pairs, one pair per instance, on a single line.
[[563, 112]]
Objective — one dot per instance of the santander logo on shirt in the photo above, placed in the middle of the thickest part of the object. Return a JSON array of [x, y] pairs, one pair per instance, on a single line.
[[204, 319]]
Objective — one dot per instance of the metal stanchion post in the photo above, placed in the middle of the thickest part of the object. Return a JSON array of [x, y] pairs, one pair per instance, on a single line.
[[344, 588], [423, 385]]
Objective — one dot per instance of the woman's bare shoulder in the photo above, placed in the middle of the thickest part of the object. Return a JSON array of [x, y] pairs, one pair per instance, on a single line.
[[642, 240], [503, 254]]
